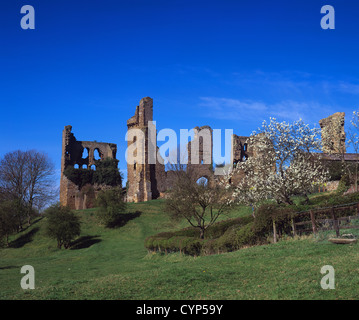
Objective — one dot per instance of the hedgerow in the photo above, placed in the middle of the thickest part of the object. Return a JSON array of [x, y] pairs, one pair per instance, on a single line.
[[220, 237]]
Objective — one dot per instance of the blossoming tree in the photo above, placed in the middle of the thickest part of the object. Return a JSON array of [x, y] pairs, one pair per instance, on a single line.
[[285, 163]]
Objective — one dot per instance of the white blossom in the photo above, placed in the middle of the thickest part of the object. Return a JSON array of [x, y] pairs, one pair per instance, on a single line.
[[283, 163]]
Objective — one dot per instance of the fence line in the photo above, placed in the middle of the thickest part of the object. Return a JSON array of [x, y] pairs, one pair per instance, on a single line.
[[333, 218]]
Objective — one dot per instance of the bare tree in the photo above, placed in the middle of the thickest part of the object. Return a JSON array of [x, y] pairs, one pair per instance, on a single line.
[[200, 203], [40, 176], [29, 177], [12, 174]]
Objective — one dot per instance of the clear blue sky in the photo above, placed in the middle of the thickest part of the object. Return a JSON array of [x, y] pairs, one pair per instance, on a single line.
[[227, 64]]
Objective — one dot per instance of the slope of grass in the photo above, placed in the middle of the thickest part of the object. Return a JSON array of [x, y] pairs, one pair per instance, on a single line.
[[113, 264]]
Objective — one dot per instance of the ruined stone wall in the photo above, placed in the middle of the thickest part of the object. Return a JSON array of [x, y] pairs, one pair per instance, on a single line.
[[147, 180], [141, 175], [239, 149], [333, 134], [73, 155], [200, 153], [239, 152]]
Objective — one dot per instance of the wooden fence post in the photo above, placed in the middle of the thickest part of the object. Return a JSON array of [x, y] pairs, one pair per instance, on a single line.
[[335, 223], [274, 232], [293, 227], [313, 222]]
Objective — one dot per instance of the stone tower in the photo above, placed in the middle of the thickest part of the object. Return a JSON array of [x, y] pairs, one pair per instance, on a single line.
[[141, 172], [333, 134]]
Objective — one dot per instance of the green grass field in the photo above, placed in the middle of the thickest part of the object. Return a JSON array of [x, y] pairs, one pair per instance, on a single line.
[[113, 264]]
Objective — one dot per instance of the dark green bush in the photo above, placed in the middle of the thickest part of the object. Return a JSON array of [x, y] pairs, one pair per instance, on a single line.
[[111, 206], [228, 241], [349, 198], [218, 229], [267, 213], [62, 225], [344, 184], [246, 236], [192, 246], [187, 232], [335, 169], [209, 246], [335, 199]]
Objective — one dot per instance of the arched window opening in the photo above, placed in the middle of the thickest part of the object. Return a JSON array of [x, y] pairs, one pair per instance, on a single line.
[[85, 153], [96, 154]]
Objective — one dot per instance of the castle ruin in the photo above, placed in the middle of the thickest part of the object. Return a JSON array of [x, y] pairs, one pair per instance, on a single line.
[[148, 179]]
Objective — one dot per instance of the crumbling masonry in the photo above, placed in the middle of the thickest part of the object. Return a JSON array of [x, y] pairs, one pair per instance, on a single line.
[[333, 134], [149, 179], [81, 154]]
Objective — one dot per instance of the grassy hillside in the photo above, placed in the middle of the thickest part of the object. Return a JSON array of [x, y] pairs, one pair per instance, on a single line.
[[113, 264]]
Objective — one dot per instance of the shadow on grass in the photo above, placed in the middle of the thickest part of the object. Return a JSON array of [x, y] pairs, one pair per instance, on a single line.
[[24, 239], [84, 242], [123, 218], [9, 267]]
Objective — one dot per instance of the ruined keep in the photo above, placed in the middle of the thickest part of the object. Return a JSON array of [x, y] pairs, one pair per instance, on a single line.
[[333, 134], [81, 155]]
